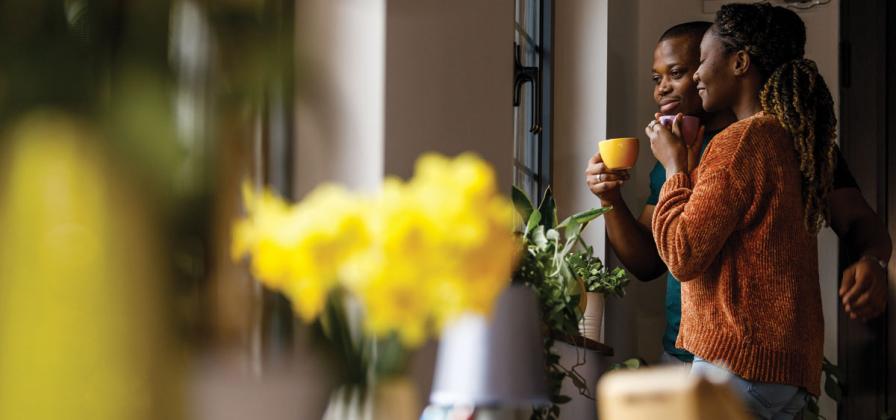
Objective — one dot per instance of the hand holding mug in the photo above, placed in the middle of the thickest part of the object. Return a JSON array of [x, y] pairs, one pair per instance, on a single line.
[[669, 147], [689, 127], [603, 181]]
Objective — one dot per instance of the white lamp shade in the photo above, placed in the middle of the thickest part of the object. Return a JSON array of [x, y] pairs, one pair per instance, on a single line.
[[493, 361]]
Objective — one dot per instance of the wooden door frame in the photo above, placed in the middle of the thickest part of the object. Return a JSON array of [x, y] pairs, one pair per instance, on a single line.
[[867, 103]]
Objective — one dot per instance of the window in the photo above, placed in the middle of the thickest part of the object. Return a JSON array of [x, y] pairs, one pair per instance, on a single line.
[[533, 96]]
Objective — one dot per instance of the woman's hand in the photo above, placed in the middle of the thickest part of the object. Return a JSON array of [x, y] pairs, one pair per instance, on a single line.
[[604, 182], [669, 148]]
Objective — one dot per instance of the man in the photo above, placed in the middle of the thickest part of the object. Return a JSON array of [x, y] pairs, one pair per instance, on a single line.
[[676, 57]]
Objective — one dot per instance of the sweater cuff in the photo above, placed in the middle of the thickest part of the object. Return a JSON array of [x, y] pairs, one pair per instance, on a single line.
[[679, 180]]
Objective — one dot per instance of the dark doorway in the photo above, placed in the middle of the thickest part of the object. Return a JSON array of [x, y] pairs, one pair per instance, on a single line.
[[867, 352]]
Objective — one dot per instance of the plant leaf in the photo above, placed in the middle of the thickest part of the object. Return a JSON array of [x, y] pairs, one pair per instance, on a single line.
[[554, 217], [560, 399], [534, 219], [522, 203], [831, 369], [832, 388], [578, 382], [634, 363], [572, 229], [810, 410], [565, 222], [589, 215], [548, 209], [570, 242], [585, 216]]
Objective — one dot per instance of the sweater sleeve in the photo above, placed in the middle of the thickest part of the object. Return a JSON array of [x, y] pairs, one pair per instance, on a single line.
[[691, 223]]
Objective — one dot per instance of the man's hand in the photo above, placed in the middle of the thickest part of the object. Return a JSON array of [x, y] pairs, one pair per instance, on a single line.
[[863, 290], [604, 182]]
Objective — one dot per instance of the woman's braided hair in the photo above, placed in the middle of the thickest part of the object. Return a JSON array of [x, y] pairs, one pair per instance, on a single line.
[[794, 92]]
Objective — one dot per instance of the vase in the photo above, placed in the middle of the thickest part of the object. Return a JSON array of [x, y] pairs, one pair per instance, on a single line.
[[592, 319], [392, 398]]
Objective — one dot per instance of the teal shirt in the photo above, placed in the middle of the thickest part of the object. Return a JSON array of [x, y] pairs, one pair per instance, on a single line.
[[673, 287]]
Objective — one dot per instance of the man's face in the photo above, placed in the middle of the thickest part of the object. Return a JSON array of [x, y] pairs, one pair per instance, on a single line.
[[674, 62]]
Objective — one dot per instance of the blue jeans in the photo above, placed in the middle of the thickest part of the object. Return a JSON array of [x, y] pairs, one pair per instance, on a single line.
[[668, 359], [764, 400]]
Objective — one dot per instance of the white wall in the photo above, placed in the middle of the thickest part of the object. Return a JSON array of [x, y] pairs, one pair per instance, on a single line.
[[580, 102], [635, 324], [822, 45], [448, 79], [383, 82], [389, 80], [449, 73], [340, 124]]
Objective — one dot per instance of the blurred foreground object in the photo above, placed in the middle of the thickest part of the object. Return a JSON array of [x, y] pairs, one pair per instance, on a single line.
[[415, 256], [382, 273], [493, 361], [220, 389], [81, 326], [668, 393]]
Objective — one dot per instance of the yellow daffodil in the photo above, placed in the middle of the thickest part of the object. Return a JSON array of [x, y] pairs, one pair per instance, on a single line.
[[301, 250], [416, 255]]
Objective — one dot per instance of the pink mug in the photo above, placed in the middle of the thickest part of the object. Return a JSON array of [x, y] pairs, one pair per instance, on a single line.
[[690, 126]]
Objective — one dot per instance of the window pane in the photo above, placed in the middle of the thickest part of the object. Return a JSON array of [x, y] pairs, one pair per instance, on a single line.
[[527, 184], [532, 151], [522, 122], [528, 50], [527, 146], [527, 17], [533, 16]]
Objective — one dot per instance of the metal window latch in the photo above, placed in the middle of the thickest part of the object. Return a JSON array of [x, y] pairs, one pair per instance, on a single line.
[[522, 75]]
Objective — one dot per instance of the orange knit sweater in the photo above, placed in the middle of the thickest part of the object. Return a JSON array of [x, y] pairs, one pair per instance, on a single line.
[[733, 234]]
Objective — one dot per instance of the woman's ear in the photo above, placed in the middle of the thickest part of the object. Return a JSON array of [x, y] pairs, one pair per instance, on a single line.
[[741, 63]]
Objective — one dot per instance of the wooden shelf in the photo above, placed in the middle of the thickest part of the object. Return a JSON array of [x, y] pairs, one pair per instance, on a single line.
[[585, 343]]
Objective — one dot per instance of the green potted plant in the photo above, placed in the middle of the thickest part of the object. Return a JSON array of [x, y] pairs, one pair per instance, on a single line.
[[561, 268], [599, 282]]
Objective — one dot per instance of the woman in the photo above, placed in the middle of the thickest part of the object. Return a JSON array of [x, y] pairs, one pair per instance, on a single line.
[[739, 231]]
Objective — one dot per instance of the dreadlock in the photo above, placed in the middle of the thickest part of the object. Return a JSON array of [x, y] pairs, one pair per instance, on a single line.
[[793, 91], [797, 95]]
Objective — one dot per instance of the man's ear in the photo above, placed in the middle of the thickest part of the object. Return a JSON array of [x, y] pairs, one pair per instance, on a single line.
[[741, 62]]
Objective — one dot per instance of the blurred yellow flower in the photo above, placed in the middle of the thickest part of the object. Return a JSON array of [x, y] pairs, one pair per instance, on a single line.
[[416, 255], [300, 250]]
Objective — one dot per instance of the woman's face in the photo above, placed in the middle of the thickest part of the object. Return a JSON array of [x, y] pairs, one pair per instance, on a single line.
[[716, 82]]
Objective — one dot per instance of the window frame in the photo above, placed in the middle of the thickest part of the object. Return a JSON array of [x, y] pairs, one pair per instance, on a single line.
[[542, 174]]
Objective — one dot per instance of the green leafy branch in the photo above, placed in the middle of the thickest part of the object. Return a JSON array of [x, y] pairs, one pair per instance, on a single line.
[[633, 363], [597, 277], [553, 268]]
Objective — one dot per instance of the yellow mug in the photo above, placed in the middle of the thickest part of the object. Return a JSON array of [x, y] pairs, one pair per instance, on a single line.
[[619, 153]]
